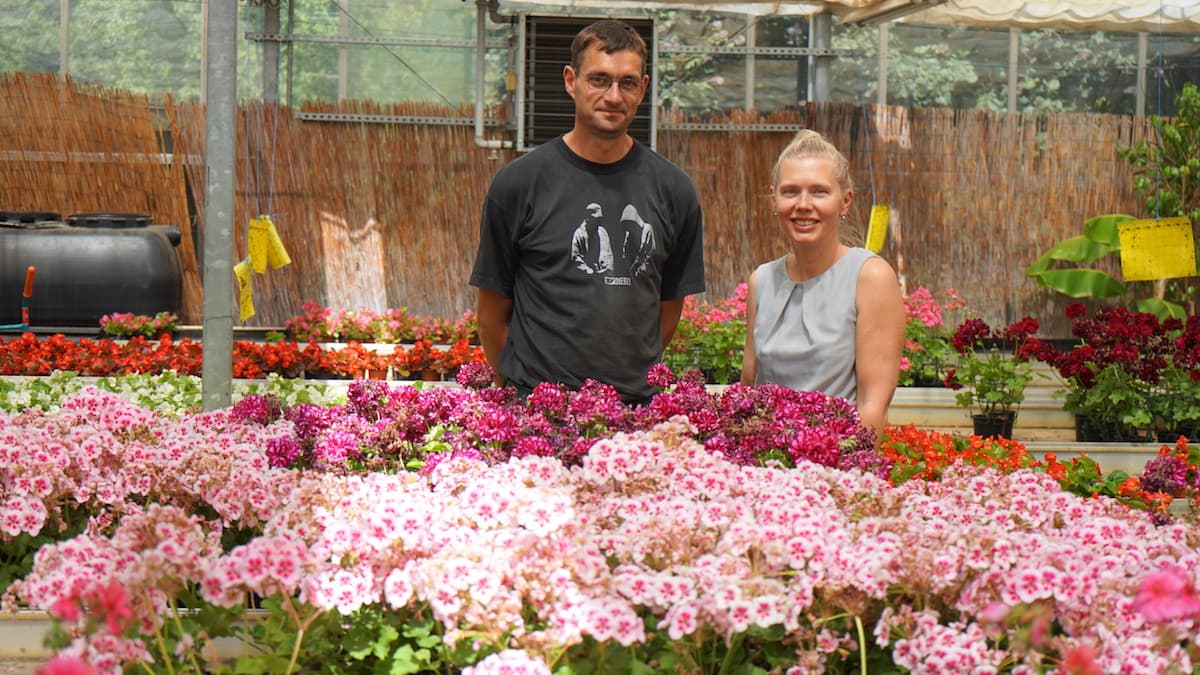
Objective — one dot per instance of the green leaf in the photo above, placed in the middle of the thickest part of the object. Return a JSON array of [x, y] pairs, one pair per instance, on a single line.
[[1081, 283], [1040, 265], [1163, 309], [406, 660], [1080, 249], [1103, 229]]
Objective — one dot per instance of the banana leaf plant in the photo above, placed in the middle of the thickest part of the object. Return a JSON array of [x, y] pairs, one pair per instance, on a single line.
[[1101, 237]]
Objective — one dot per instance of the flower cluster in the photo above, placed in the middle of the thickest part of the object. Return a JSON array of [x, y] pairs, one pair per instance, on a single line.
[[317, 323], [927, 352], [167, 392], [124, 324], [710, 337], [923, 454], [387, 428], [993, 367], [1176, 470], [649, 550], [1132, 374], [28, 354]]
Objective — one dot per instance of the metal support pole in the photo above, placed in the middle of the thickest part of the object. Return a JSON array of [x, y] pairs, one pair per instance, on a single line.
[[1143, 46], [220, 142], [64, 37], [751, 43], [881, 88], [821, 38], [290, 60], [270, 67], [203, 52], [343, 50], [1014, 51]]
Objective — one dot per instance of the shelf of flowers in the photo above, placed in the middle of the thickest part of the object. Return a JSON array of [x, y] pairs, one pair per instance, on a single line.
[[30, 354], [1042, 425]]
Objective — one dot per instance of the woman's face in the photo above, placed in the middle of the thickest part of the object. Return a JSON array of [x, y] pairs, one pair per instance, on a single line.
[[809, 199]]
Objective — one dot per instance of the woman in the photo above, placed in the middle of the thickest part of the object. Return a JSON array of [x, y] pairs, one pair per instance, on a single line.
[[827, 316]]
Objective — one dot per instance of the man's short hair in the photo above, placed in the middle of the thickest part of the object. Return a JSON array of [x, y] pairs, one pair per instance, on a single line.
[[611, 36]]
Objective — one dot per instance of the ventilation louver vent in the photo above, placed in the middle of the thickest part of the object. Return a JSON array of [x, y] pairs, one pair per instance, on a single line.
[[545, 108]]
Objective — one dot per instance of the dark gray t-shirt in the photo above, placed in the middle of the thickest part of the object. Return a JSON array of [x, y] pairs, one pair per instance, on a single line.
[[586, 252]]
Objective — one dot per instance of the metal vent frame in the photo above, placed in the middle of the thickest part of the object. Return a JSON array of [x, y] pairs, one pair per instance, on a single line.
[[543, 108]]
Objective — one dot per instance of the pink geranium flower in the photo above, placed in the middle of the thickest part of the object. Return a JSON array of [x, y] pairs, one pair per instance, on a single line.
[[114, 604], [66, 665], [1166, 595]]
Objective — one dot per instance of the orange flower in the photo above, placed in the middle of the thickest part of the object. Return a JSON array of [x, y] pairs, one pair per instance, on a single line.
[[1129, 487]]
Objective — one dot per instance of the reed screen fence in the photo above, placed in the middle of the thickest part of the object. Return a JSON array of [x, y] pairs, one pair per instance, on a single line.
[[377, 216]]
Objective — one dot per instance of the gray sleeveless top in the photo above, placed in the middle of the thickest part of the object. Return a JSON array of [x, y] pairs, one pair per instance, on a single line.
[[804, 333]]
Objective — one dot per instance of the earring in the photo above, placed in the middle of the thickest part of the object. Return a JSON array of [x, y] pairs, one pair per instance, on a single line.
[[774, 213]]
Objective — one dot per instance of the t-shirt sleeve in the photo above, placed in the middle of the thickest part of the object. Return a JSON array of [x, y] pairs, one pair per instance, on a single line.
[[684, 271], [497, 256]]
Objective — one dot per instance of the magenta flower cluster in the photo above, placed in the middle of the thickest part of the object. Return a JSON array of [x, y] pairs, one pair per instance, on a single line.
[[384, 426]]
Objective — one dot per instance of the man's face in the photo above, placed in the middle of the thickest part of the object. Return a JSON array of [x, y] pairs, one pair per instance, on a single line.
[[607, 90]]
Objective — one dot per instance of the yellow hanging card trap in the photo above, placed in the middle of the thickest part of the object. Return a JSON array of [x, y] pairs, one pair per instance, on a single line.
[[241, 273], [1157, 249], [266, 248], [877, 228]]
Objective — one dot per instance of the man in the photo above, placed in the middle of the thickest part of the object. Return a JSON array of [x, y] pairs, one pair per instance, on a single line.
[[549, 311]]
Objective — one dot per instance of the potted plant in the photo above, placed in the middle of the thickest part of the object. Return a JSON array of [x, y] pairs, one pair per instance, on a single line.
[[992, 371], [710, 338], [927, 351], [1120, 381], [1175, 399], [127, 324]]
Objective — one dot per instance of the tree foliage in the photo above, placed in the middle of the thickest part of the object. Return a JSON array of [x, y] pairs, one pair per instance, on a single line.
[[1167, 167], [154, 47]]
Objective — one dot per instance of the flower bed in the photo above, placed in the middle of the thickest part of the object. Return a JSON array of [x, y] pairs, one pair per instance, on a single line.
[[28, 354], [421, 531]]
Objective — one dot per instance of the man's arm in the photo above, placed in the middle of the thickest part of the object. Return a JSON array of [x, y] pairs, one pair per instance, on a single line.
[[669, 312], [493, 312]]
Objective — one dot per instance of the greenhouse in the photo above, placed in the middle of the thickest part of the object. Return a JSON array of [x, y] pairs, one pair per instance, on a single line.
[[256, 419]]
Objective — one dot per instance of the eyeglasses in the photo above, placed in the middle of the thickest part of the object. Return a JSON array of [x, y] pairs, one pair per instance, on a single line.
[[601, 82]]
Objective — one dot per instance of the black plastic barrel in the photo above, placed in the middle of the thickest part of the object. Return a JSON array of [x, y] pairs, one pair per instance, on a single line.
[[91, 265]]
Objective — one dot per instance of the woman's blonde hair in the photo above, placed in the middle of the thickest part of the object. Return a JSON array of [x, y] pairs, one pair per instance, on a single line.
[[809, 143]]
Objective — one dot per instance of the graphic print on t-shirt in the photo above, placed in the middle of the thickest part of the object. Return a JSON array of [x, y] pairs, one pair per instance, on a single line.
[[593, 250]]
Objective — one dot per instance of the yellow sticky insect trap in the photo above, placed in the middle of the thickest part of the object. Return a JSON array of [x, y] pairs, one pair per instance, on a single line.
[[241, 273], [265, 246], [1157, 249], [877, 228]]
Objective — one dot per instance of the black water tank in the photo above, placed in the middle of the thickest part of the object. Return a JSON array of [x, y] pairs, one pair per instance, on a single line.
[[91, 265]]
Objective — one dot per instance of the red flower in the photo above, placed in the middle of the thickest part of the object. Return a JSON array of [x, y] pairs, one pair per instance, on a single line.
[[951, 381], [1081, 660]]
